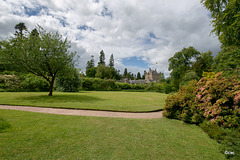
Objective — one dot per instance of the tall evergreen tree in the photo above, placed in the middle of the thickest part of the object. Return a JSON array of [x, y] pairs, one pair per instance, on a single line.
[[125, 73], [90, 64], [138, 75], [102, 58], [111, 61]]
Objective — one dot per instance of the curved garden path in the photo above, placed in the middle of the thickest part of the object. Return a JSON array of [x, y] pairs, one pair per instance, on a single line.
[[149, 115]]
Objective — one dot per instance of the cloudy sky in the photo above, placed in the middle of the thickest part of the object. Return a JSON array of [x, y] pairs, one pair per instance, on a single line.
[[141, 34]]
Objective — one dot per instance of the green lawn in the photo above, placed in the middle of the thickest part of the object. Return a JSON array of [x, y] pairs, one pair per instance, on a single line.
[[117, 101], [46, 136]]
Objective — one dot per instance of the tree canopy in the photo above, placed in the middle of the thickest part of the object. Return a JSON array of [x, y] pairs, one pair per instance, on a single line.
[[226, 20], [41, 53]]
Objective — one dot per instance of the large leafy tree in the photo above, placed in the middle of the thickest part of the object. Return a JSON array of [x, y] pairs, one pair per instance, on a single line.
[[226, 20], [181, 62], [41, 53]]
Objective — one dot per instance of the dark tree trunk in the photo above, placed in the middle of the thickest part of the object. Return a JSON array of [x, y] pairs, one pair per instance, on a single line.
[[51, 87]]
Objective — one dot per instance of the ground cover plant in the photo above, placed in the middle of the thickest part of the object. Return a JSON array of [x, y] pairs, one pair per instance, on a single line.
[[48, 136], [115, 101]]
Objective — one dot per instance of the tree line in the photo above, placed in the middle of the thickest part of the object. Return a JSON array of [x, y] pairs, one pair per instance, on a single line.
[[104, 71]]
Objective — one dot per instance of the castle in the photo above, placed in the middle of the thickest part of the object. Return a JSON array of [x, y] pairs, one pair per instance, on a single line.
[[151, 76]]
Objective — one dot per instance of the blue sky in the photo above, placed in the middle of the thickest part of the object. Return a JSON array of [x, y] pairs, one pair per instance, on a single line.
[[138, 33]]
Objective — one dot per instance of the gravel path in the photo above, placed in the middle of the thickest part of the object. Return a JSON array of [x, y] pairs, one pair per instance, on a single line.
[[150, 115]]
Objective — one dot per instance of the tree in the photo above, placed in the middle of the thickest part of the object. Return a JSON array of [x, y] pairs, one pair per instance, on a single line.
[[44, 54], [90, 64], [138, 75], [103, 72], [125, 73], [226, 20], [204, 63], [111, 61], [181, 62], [20, 28], [102, 58], [91, 72]]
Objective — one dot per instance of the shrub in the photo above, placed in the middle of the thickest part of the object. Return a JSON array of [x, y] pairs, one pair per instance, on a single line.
[[68, 84], [30, 82], [99, 84], [218, 99], [9, 83], [181, 105], [4, 125]]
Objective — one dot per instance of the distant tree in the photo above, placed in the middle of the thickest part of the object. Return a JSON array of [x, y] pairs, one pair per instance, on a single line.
[[138, 75], [161, 77], [181, 62], [111, 61], [102, 58], [125, 73], [20, 28], [204, 63], [103, 72], [90, 64], [44, 54], [143, 76], [91, 72], [226, 20]]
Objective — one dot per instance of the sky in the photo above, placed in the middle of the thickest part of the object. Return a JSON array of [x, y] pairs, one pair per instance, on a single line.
[[141, 34]]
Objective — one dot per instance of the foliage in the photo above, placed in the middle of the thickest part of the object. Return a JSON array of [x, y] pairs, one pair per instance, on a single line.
[[159, 87], [4, 125], [181, 62], [102, 58], [226, 20], [111, 61], [91, 72], [90, 64], [44, 54], [103, 72], [228, 61], [203, 63], [218, 99], [189, 76], [30, 82], [98, 84], [9, 83], [68, 84], [228, 138], [180, 105]]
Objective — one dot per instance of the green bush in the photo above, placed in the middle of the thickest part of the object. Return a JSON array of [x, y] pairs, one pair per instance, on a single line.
[[4, 125], [228, 138], [68, 84], [99, 84], [180, 105], [9, 83], [30, 82]]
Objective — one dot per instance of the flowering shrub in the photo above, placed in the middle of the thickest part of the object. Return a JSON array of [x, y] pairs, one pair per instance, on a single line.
[[181, 104], [214, 98], [9, 82], [218, 99]]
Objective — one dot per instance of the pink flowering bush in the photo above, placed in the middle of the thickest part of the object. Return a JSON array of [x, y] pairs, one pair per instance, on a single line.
[[214, 98], [218, 99]]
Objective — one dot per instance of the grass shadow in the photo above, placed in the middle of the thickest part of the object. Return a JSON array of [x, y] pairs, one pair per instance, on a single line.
[[60, 98]]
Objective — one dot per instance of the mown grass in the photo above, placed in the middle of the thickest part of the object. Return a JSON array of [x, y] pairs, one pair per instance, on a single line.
[[46, 136], [115, 101]]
